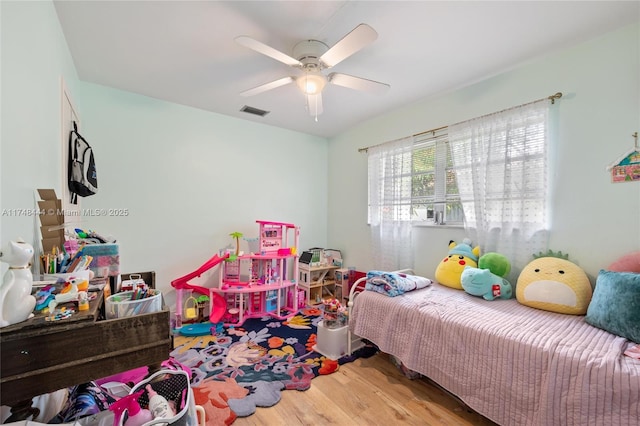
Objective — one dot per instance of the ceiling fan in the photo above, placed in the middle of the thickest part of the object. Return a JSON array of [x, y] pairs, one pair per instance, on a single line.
[[313, 56]]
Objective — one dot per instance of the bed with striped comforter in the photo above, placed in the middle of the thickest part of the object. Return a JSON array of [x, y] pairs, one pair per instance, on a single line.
[[513, 364]]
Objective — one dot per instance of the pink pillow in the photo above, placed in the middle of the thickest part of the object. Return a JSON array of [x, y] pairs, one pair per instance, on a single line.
[[627, 263]]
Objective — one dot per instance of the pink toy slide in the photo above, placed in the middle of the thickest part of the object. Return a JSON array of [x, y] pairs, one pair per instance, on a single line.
[[219, 305]]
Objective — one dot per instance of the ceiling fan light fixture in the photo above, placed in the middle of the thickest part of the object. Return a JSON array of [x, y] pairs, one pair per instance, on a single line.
[[313, 56], [311, 83]]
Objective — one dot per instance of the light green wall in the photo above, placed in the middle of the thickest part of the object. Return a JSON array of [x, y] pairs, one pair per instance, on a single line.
[[189, 178], [593, 220], [35, 59]]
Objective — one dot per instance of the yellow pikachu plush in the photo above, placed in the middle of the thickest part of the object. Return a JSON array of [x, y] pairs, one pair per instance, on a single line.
[[450, 269], [554, 284]]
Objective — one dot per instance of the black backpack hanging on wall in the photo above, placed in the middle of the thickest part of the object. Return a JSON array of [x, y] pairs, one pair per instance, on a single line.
[[83, 178]]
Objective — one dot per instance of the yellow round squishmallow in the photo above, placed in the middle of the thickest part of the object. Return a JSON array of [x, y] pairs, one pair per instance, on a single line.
[[554, 284], [449, 270]]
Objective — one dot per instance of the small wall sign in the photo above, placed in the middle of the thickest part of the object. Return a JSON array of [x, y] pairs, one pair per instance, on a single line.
[[627, 167]]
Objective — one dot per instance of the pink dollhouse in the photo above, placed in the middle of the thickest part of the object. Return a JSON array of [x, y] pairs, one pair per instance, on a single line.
[[264, 282], [251, 285]]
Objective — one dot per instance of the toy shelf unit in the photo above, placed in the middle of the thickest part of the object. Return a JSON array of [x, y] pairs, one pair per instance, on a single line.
[[316, 274], [317, 281], [263, 283]]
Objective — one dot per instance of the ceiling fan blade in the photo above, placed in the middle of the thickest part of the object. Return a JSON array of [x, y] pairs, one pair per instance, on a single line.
[[267, 50], [267, 86], [314, 105], [357, 83], [358, 38]]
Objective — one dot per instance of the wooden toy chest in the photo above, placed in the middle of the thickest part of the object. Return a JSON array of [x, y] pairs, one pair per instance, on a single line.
[[40, 356]]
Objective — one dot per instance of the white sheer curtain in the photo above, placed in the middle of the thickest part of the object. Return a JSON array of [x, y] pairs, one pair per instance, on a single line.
[[390, 204], [500, 162]]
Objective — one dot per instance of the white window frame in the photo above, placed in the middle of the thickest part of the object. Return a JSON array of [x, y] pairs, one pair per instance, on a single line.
[[439, 199]]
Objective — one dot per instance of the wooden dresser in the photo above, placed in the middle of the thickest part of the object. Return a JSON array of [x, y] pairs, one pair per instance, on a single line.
[[39, 356]]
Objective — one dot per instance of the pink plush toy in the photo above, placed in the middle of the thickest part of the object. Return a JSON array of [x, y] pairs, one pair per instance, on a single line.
[[627, 263]]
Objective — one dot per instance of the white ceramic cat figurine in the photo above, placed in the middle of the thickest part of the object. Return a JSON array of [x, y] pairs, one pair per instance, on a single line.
[[16, 301]]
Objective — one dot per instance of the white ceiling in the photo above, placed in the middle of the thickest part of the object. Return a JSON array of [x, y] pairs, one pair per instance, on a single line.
[[184, 51]]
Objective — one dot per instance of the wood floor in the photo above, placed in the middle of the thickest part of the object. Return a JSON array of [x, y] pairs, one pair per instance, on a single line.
[[369, 391]]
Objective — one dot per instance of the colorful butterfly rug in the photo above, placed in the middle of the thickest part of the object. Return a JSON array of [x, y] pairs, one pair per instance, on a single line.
[[241, 368]]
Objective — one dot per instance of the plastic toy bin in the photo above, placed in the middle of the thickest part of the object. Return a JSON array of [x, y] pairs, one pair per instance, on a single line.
[[121, 305], [331, 342], [173, 385]]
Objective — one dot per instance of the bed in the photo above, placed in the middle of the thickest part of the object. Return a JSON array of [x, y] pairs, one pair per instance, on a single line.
[[511, 363]]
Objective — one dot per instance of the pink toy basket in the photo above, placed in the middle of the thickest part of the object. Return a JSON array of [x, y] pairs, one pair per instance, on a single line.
[[175, 386]]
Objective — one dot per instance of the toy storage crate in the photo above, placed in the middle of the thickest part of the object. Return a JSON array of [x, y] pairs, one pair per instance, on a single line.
[[120, 305], [175, 386], [60, 354], [331, 342]]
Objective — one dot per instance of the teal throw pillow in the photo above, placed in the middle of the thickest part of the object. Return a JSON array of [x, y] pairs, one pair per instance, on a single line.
[[615, 305]]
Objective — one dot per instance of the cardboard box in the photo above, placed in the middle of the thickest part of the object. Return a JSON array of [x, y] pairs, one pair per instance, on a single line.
[[49, 243], [48, 216], [53, 231], [51, 220], [51, 207]]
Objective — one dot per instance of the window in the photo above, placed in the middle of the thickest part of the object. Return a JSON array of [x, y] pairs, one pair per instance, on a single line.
[[416, 183], [501, 166], [489, 174], [502, 174], [434, 189]]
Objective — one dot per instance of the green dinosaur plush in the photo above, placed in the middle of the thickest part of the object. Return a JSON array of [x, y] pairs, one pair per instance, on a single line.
[[495, 262]]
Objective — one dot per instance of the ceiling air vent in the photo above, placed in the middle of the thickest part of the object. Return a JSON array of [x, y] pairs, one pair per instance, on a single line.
[[254, 111]]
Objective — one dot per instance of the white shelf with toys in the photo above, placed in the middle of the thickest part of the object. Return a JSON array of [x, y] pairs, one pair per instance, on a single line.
[[316, 275]]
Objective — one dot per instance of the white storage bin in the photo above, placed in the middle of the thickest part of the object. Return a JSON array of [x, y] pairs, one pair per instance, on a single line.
[[120, 305], [332, 342]]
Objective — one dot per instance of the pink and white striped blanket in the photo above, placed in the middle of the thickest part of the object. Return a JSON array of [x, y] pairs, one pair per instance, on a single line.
[[513, 364]]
